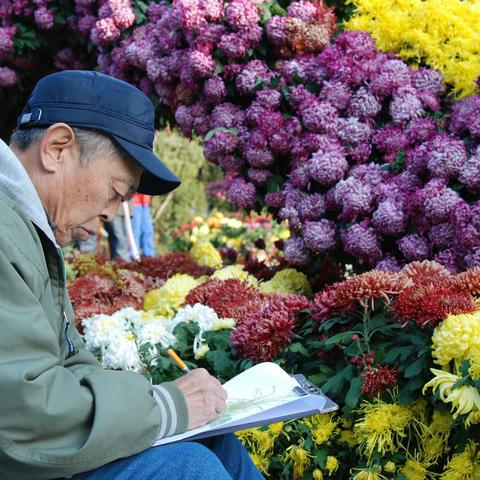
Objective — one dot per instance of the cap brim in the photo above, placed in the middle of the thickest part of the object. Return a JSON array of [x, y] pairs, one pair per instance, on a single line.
[[156, 179]]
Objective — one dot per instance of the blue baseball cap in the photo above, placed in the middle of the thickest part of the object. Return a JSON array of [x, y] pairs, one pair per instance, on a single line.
[[89, 99]]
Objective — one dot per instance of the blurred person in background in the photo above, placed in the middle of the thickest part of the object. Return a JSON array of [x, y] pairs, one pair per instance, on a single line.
[[142, 224]]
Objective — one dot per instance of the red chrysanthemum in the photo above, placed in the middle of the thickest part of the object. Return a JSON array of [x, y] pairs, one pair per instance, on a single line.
[[377, 380], [426, 271], [165, 266], [468, 281], [292, 304], [230, 298], [357, 290], [325, 305], [426, 304], [262, 336], [370, 286]]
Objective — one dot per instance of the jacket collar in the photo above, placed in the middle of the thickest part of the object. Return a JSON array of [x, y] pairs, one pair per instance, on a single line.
[[16, 184]]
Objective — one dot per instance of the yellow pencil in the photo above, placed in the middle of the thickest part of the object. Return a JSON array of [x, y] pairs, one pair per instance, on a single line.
[[181, 364]]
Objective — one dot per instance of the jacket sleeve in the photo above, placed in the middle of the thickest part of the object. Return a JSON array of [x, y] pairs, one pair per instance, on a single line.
[[56, 418]]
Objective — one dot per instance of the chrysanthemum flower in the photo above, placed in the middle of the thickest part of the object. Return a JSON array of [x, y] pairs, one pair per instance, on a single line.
[[206, 255], [468, 281], [465, 399], [377, 380], [382, 426], [230, 298], [457, 338], [464, 465], [418, 271], [287, 281], [428, 303], [168, 299]]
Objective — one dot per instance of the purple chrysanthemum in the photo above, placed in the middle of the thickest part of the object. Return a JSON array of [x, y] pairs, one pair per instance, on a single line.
[[312, 207], [337, 93], [414, 247], [352, 131], [446, 156], [320, 236], [296, 252], [466, 117], [390, 139], [319, 116], [470, 173], [392, 74], [328, 164], [214, 90], [420, 130], [8, 77], [242, 14], [44, 18], [354, 197], [442, 236], [364, 104], [405, 105], [258, 175], [362, 242], [389, 218], [242, 193], [389, 264]]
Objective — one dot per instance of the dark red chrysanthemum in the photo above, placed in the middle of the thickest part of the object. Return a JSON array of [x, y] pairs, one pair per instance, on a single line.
[[377, 380], [93, 294], [325, 305], [165, 266], [229, 298], [262, 337], [426, 304]]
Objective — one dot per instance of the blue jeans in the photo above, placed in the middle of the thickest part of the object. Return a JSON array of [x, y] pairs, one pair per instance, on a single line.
[[216, 458], [142, 227]]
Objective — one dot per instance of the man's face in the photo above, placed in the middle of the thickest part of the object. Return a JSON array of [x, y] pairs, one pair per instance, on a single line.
[[88, 193]]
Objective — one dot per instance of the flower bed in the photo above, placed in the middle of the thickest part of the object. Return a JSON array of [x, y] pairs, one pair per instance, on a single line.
[[399, 352]]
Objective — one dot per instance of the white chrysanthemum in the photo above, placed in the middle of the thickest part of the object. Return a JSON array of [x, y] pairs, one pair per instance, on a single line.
[[201, 314], [204, 316], [155, 332], [101, 330], [130, 315], [122, 353]]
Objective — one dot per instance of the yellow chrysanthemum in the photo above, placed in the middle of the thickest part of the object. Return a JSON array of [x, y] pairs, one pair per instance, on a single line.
[[321, 426], [235, 271], [206, 255], [465, 465], [166, 300], [465, 399], [299, 458], [260, 462], [382, 426], [317, 474], [457, 338], [414, 470], [201, 352], [434, 437], [287, 281], [348, 437], [275, 429], [474, 369], [332, 464], [224, 323], [372, 473], [390, 467], [442, 34]]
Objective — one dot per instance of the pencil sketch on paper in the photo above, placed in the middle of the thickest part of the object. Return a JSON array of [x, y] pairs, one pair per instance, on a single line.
[[258, 400]]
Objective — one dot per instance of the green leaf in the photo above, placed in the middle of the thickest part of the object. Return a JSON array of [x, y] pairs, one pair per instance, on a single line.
[[400, 352], [335, 384], [339, 337], [353, 395], [297, 347], [416, 367]]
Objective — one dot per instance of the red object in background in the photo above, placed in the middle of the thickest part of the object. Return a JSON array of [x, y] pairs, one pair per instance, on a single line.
[[142, 199]]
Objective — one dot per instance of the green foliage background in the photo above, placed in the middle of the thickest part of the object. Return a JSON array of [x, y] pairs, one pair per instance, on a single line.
[[185, 158]]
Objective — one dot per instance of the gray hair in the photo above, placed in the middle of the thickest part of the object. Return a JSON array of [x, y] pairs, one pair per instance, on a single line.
[[92, 143]]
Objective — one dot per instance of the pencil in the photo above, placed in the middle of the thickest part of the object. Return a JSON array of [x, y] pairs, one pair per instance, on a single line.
[[181, 364]]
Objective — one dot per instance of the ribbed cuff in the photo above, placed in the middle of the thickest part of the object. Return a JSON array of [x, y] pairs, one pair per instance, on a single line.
[[173, 407]]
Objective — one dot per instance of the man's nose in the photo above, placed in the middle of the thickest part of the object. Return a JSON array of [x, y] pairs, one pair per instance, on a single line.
[[110, 211]]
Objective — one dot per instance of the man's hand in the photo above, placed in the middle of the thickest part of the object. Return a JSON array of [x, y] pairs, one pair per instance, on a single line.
[[204, 395]]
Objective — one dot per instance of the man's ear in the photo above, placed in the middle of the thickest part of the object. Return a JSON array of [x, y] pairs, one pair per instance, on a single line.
[[57, 146]]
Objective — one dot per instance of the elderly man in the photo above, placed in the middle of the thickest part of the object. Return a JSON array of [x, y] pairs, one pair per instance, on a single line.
[[84, 144]]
